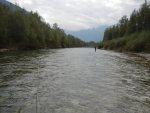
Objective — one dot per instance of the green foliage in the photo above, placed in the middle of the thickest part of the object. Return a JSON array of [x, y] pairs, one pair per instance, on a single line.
[[100, 45], [138, 21], [136, 42], [27, 30], [130, 34]]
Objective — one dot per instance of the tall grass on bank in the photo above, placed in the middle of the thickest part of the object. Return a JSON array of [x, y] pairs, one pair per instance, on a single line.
[[137, 42]]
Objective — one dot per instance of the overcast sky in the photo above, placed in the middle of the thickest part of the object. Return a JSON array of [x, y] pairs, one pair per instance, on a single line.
[[80, 14]]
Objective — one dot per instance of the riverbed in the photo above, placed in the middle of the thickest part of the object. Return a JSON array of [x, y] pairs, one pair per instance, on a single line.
[[77, 80]]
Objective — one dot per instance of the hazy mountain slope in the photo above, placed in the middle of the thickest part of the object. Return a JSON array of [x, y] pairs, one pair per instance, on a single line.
[[13, 7], [95, 34]]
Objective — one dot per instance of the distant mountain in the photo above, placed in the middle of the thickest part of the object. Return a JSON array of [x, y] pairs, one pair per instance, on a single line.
[[12, 6], [95, 34], [4, 1]]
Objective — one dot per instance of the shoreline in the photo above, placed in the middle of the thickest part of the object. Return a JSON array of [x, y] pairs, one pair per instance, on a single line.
[[142, 55], [141, 58], [4, 50], [7, 49]]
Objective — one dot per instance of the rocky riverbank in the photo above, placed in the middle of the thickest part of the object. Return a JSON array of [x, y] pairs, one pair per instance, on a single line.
[[142, 58]]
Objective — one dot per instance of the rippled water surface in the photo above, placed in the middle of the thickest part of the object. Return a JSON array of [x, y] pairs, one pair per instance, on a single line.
[[73, 81]]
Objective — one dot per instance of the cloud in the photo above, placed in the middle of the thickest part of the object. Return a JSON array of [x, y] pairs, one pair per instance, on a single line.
[[80, 14]]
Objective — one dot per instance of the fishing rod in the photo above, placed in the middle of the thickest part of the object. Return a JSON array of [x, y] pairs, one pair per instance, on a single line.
[[37, 87]]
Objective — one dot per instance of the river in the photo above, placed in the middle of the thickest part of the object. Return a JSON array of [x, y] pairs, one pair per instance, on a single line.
[[77, 80]]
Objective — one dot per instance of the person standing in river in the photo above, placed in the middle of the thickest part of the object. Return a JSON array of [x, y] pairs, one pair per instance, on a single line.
[[95, 48]]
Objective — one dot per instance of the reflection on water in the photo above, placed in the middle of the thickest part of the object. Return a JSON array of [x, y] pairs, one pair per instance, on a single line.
[[73, 81]]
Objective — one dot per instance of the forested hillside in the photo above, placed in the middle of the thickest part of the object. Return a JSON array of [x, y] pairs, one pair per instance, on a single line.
[[130, 34], [20, 29]]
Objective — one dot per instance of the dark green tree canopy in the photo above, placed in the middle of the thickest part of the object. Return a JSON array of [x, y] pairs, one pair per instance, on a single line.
[[20, 29], [138, 21]]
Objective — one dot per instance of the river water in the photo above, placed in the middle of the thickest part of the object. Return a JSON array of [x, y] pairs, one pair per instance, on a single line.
[[77, 80]]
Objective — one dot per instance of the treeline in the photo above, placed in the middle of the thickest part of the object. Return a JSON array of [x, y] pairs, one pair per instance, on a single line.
[[130, 34], [20, 29]]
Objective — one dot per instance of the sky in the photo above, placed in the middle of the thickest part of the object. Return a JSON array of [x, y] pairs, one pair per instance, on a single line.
[[76, 15]]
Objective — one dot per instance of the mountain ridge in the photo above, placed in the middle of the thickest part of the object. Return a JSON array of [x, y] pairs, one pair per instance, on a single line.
[[12, 6], [93, 34]]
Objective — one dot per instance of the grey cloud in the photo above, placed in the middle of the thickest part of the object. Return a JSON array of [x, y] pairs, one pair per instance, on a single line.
[[80, 14]]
